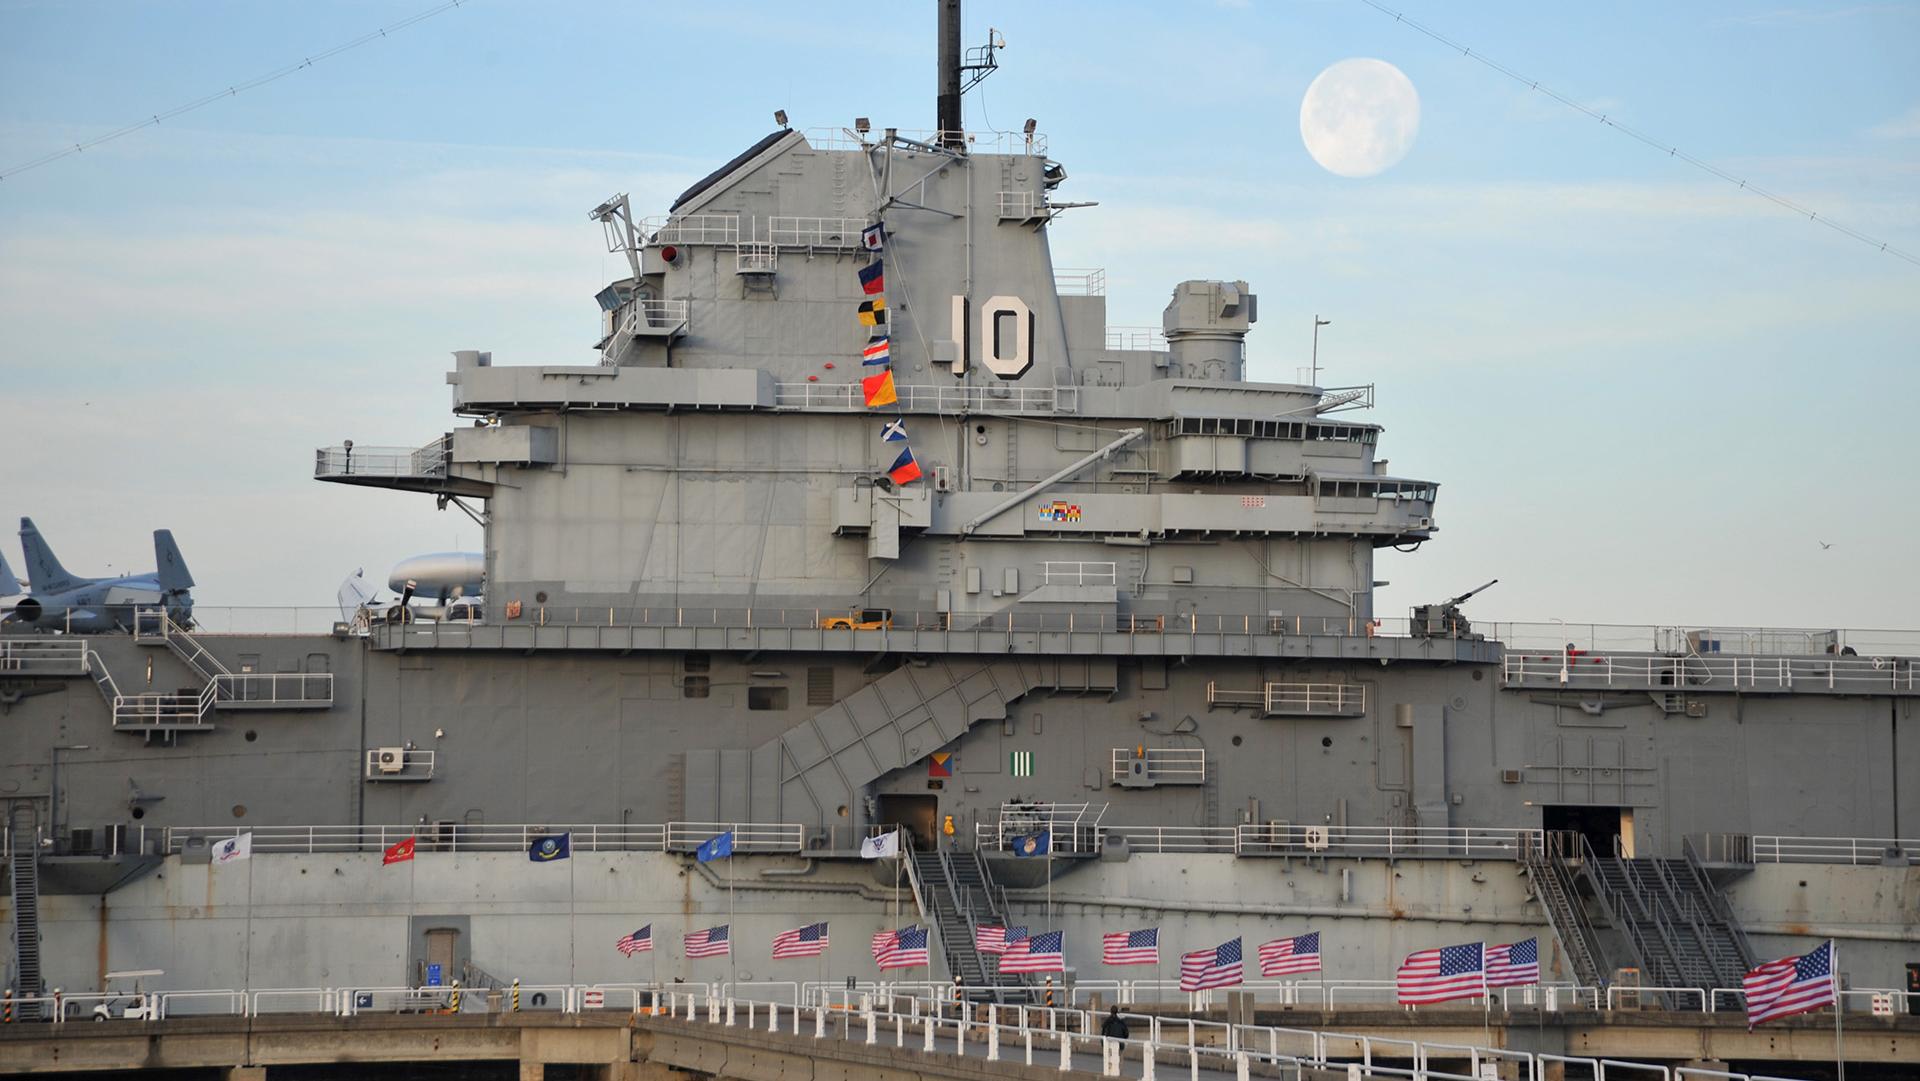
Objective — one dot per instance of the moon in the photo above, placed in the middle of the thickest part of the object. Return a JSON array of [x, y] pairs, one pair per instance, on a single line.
[[1359, 117]]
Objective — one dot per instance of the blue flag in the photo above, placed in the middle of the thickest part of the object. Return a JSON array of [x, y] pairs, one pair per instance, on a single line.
[[1033, 844], [714, 848], [548, 849]]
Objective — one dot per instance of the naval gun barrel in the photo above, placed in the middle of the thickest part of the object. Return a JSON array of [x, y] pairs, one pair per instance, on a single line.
[[1462, 598]]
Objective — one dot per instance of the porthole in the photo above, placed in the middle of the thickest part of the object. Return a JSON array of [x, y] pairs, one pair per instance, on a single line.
[[252, 735], [1326, 741], [239, 810], [1236, 741]]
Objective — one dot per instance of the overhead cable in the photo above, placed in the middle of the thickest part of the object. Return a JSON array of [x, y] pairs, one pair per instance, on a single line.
[[1671, 151], [237, 88]]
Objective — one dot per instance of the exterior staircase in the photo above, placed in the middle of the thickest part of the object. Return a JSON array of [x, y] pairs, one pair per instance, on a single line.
[[1555, 885], [960, 897], [23, 866]]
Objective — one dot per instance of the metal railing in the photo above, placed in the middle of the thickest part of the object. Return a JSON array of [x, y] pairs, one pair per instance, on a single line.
[[753, 837], [1855, 851], [399, 764], [1078, 573], [273, 689], [644, 315], [1018, 205], [428, 461], [757, 258], [1080, 281], [931, 398], [1315, 699], [1711, 672], [978, 142], [164, 711], [1175, 764], [1137, 339], [691, 229], [44, 657], [795, 232]]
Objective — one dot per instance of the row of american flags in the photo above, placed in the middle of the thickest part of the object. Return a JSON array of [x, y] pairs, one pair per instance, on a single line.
[[1776, 989]]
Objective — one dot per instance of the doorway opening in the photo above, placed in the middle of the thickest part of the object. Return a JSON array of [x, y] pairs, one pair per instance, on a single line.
[[919, 815], [1601, 826]]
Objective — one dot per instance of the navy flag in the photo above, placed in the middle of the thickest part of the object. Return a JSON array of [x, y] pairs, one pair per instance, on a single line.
[[714, 848], [1033, 844], [548, 849]]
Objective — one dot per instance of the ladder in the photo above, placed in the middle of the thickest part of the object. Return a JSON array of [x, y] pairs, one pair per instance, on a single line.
[[24, 875]]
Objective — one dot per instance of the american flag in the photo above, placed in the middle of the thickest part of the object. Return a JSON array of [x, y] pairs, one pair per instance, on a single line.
[[1038, 953], [1439, 975], [640, 941], [905, 948], [808, 941], [1284, 956], [1217, 967], [711, 942], [1515, 964], [1791, 985], [996, 939], [1131, 947]]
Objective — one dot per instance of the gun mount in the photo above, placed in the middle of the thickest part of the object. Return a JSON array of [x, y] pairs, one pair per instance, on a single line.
[[1444, 620]]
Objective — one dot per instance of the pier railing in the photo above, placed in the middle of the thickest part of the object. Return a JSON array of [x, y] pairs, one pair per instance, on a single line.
[[749, 837]]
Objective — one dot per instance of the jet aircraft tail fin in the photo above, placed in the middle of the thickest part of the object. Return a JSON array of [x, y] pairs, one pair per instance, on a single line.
[[45, 571], [9, 585], [169, 567]]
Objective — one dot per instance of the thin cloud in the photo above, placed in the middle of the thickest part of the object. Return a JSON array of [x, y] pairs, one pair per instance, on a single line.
[[1806, 16], [1904, 126]]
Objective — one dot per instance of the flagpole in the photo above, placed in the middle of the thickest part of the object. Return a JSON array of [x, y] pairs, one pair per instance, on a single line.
[[247, 977], [573, 930], [733, 957], [1839, 1008]]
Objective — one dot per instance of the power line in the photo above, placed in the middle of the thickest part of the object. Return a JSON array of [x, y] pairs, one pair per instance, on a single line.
[[1671, 151], [237, 88]]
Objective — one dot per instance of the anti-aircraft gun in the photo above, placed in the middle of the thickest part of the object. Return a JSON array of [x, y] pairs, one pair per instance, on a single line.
[[1444, 620]]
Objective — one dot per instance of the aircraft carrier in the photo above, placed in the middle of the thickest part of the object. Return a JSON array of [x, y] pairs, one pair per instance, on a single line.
[[866, 514]]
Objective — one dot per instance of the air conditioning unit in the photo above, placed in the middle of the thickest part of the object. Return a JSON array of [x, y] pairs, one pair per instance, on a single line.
[[1316, 838], [390, 759], [1509, 776], [942, 479]]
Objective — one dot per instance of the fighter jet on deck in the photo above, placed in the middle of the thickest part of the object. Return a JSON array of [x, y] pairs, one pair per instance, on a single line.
[[61, 601]]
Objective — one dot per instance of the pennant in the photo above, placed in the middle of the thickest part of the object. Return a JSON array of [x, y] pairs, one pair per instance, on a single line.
[[894, 431], [904, 470], [878, 351], [873, 278], [399, 853], [873, 313], [878, 390], [874, 237]]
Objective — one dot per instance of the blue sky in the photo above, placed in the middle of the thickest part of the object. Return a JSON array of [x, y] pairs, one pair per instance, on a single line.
[[1646, 394]]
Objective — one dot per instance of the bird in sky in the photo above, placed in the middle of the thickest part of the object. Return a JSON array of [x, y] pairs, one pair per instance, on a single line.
[[1823, 545]]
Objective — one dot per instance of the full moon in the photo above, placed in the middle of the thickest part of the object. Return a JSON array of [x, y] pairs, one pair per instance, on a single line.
[[1359, 117]]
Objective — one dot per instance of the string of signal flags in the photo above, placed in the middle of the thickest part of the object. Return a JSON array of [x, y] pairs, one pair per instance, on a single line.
[[878, 390]]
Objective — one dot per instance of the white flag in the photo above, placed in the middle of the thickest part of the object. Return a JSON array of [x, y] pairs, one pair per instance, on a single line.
[[878, 848], [233, 848]]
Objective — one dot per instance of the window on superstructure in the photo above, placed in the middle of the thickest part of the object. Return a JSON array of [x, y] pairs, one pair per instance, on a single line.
[[766, 698]]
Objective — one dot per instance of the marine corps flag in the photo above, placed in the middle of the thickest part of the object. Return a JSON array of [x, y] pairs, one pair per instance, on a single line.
[[399, 853], [878, 390], [873, 313]]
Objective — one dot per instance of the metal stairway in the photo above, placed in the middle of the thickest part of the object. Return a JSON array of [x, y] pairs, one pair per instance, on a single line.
[[960, 898], [1554, 885], [24, 879]]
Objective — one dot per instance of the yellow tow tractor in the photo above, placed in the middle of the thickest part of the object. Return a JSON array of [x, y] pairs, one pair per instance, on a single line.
[[862, 619]]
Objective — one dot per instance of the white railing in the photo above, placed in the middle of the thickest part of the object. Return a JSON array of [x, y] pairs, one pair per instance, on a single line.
[[163, 711], [1384, 842], [1217, 839], [935, 398], [1141, 339], [44, 657], [274, 689], [430, 460], [1848, 850], [1074, 827], [645, 315], [759, 837], [1018, 205], [1080, 281], [1179, 765], [1070, 573], [757, 258], [978, 142], [692, 229], [1709, 672], [795, 232], [399, 764], [1315, 699]]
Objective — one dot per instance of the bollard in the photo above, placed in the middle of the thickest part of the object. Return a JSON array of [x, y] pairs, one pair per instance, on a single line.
[[870, 1026], [993, 1037], [1242, 1069], [773, 1017], [729, 1011], [1193, 1063], [899, 1031], [1029, 1036], [1049, 1001], [6, 1011], [819, 1022], [1066, 1052], [932, 1023], [516, 994], [1146, 1062], [59, 1014], [455, 1002]]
